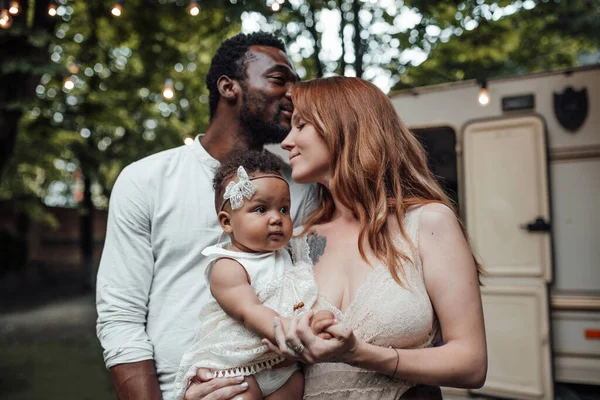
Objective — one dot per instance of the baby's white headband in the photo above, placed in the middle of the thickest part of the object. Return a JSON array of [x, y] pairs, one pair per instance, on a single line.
[[236, 191]]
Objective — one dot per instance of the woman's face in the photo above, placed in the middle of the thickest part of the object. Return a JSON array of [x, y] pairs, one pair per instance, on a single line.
[[309, 155]]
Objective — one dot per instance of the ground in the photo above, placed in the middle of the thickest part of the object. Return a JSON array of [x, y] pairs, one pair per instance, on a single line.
[[48, 345]]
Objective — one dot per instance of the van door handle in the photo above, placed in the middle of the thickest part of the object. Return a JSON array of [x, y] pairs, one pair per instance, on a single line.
[[539, 225]]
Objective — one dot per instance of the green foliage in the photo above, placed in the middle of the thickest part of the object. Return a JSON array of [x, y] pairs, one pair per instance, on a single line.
[[552, 35], [115, 113]]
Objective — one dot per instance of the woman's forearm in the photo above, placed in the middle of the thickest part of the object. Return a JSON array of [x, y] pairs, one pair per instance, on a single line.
[[449, 365]]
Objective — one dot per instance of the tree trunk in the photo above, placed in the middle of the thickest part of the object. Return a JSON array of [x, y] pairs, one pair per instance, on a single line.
[[87, 233], [17, 86], [358, 50]]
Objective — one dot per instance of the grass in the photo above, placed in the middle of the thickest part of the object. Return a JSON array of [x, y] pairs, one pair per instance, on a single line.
[[53, 370]]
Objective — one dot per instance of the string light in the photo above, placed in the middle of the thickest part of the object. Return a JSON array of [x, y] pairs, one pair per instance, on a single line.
[[14, 8], [276, 5], [484, 95], [52, 9], [194, 8], [68, 84], [5, 19], [168, 92], [188, 140], [117, 8]]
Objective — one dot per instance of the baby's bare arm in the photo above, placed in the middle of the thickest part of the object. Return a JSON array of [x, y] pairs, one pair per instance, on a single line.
[[230, 286]]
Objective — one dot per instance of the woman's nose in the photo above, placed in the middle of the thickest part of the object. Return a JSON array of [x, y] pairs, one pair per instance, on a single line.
[[287, 143]]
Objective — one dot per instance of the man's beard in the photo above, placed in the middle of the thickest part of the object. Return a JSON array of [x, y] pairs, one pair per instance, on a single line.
[[261, 131]]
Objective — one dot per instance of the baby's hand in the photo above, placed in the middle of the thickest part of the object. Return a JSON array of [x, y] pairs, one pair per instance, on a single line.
[[322, 320]]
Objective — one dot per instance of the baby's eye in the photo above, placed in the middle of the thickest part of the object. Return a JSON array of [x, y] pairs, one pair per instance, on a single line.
[[260, 209], [283, 210]]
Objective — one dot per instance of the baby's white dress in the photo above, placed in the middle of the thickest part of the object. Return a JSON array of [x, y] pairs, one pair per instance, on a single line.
[[223, 344]]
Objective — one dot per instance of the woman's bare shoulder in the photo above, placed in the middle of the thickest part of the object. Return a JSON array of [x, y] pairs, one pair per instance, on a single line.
[[437, 217]]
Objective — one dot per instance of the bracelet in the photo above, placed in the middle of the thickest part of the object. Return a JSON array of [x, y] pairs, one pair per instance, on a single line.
[[391, 377]]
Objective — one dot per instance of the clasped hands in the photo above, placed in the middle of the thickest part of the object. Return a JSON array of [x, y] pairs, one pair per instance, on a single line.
[[313, 337]]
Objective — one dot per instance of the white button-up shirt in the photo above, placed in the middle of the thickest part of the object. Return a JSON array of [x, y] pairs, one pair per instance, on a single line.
[[150, 283]]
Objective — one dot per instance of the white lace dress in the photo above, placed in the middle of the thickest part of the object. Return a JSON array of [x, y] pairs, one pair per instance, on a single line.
[[225, 345], [382, 313]]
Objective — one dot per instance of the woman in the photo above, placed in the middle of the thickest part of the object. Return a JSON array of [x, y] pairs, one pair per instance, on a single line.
[[391, 260]]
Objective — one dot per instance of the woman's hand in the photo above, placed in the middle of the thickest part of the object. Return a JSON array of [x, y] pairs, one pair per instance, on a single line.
[[204, 387], [300, 343]]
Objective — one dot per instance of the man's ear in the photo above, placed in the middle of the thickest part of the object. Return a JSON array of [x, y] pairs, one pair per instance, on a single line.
[[229, 89], [225, 221]]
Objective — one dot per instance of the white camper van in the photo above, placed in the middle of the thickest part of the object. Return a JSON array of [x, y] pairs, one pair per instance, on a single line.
[[524, 168]]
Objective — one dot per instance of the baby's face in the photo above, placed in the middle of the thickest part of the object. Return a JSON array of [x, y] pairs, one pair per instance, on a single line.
[[263, 223]]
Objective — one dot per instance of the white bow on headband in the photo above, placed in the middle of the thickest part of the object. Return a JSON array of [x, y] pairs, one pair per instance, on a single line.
[[235, 192]]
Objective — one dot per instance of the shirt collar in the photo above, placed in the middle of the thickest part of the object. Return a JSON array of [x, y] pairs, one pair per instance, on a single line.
[[202, 155]]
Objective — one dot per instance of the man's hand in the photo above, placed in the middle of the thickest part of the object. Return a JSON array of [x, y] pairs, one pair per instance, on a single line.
[[322, 320], [136, 380], [204, 387]]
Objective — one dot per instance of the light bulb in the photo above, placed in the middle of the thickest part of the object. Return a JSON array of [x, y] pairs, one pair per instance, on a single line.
[[14, 7], [68, 84], [117, 10], [188, 140], [52, 9], [5, 19], [168, 92], [194, 8], [275, 6], [484, 96]]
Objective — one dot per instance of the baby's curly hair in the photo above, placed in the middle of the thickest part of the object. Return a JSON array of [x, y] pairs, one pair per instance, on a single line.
[[254, 162]]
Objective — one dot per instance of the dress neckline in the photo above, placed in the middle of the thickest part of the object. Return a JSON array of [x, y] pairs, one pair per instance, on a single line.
[[369, 278]]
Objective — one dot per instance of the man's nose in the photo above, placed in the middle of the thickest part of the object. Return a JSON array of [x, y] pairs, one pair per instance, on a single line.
[[288, 90]]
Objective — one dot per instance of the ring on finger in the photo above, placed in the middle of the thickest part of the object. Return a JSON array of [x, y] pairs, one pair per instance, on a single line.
[[298, 349]]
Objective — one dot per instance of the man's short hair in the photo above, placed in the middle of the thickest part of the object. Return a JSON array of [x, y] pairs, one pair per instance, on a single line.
[[230, 60], [254, 162]]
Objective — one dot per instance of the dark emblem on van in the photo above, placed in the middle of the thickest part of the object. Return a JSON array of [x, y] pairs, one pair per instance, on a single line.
[[571, 108]]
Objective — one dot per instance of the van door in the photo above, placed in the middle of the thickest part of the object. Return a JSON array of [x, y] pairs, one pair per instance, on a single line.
[[508, 220]]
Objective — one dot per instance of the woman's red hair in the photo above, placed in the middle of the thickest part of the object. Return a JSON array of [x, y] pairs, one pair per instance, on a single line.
[[378, 166]]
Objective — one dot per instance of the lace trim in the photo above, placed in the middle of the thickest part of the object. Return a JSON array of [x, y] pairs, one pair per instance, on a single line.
[[247, 369]]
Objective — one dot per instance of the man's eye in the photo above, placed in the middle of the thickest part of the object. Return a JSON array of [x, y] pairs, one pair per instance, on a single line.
[[283, 210], [278, 79], [260, 209]]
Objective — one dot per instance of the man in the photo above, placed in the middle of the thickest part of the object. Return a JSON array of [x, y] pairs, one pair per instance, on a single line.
[[161, 216]]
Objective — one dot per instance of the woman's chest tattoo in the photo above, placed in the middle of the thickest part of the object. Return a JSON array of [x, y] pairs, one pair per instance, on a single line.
[[316, 245]]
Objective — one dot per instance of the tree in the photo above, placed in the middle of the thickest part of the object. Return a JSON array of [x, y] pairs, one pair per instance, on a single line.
[[455, 36], [549, 36]]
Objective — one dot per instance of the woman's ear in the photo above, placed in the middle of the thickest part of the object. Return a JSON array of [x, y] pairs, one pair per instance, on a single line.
[[225, 221], [228, 88]]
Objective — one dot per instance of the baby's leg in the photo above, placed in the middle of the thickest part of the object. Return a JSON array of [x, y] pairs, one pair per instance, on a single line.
[[253, 392], [292, 389]]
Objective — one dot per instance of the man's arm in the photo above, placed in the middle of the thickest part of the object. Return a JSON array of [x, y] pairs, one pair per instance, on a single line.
[[123, 286], [136, 380]]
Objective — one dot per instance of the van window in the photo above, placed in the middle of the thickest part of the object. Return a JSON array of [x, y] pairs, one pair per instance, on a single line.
[[440, 146]]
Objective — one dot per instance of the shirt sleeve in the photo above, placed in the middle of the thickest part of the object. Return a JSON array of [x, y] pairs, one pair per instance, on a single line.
[[125, 274]]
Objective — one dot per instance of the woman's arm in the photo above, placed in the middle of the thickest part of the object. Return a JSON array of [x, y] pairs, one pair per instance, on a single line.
[[452, 283], [453, 286], [230, 285]]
